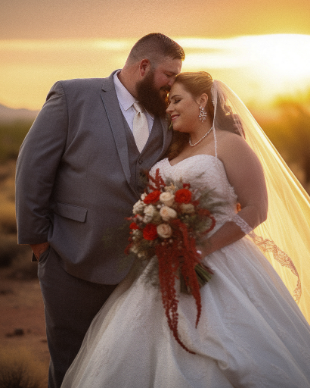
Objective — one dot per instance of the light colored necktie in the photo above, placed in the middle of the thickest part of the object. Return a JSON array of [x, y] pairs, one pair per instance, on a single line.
[[140, 127]]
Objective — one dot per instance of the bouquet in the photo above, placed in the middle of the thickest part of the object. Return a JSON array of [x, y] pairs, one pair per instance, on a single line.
[[168, 222]]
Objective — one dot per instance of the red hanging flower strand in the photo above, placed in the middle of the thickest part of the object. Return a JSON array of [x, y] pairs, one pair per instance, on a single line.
[[191, 259], [169, 262]]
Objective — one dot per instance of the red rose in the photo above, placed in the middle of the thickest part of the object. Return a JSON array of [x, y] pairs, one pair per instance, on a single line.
[[150, 232], [133, 225], [153, 197], [183, 196]]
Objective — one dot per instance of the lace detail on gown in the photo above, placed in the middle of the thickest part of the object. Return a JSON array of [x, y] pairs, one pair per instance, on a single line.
[[206, 173], [244, 226]]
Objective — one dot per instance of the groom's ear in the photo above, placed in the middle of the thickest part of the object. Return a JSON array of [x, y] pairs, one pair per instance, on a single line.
[[144, 67]]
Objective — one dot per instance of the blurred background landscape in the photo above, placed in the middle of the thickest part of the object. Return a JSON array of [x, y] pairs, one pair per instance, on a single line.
[[260, 49]]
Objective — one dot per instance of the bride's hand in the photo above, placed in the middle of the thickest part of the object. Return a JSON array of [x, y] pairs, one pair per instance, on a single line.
[[205, 248]]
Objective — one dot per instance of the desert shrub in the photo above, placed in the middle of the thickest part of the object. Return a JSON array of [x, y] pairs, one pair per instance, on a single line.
[[9, 249], [7, 198], [22, 267], [7, 171], [16, 258], [7, 217], [18, 369], [7, 181], [289, 131], [288, 128], [11, 138]]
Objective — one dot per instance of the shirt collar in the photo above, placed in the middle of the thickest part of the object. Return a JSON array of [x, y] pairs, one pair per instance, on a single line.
[[124, 97]]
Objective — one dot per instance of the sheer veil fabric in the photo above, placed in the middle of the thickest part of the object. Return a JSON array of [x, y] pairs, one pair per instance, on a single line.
[[285, 236]]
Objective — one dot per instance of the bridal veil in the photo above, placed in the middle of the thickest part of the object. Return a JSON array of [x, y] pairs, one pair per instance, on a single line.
[[285, 236]]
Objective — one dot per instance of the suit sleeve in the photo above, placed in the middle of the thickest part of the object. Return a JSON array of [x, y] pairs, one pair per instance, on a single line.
[[37, 164]]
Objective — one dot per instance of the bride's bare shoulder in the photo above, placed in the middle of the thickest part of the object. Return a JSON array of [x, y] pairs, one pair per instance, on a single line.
[[230, 144], [228, 139]]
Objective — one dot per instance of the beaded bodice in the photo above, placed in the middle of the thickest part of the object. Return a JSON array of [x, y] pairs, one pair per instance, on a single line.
[[204, 173]]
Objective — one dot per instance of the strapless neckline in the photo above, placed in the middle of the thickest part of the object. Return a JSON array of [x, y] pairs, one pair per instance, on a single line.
[[191, 157]]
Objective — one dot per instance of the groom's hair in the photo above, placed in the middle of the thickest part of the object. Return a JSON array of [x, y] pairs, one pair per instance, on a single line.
[[154, 47]]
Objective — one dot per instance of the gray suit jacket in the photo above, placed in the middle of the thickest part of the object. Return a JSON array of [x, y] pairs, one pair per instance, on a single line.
[[73, 180]]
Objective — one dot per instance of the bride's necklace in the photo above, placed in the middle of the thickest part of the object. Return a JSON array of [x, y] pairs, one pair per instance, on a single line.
[[205, 135]]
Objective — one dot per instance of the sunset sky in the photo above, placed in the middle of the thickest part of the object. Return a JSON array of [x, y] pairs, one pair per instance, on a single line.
[[260, 48]]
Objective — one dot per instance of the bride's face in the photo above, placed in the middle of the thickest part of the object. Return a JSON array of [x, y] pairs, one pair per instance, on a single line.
[[183, 109]]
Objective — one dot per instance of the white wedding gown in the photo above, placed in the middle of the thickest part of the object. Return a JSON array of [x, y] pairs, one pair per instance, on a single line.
[[251, 332]]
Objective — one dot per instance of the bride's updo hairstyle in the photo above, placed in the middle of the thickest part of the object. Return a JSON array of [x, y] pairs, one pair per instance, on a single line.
[[197, 83]]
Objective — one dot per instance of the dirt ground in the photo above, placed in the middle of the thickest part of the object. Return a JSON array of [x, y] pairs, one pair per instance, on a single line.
[[22, 322]]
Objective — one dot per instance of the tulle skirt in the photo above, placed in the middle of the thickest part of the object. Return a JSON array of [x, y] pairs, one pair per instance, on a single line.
[[251, 332]]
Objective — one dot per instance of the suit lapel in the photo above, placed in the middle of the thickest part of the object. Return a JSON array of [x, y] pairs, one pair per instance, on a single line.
[[114, 114]]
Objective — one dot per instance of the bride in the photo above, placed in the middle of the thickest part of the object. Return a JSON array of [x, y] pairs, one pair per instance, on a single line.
[[251, 331]]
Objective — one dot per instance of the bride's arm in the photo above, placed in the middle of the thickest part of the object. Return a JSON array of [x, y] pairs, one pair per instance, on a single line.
[[245, 174]]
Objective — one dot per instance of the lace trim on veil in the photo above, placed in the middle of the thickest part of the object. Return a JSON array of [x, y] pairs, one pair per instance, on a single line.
[[269, 246], [281, 257], [266, 245]]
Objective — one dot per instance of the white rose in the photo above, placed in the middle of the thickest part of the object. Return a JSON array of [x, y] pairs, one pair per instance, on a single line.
[[164, 230], [147, 219], [143, 196], [167, 198], [138, 207], [149, 212], [187, 208], [167, 213]]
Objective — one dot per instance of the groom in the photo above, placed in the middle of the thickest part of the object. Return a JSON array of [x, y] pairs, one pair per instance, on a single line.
[[79, 171]]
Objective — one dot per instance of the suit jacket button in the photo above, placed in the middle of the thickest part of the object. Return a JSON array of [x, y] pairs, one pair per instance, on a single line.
[[140, 161]]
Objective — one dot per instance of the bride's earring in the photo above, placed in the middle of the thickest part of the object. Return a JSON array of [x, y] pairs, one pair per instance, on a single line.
[[202, 114]]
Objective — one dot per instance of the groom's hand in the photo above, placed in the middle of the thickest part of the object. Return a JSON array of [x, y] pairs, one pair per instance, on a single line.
[[38, 249]]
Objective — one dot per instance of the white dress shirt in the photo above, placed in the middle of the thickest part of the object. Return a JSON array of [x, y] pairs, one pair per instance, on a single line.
[[126, 101]]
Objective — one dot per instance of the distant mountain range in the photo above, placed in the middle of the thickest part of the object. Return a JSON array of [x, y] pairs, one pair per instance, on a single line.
[[9, 114]]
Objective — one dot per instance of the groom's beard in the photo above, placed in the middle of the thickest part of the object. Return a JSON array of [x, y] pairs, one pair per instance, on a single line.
[[152, 99]]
